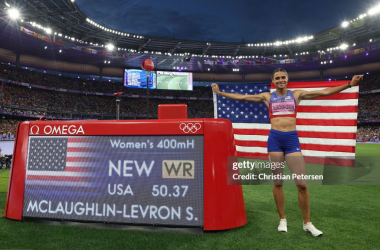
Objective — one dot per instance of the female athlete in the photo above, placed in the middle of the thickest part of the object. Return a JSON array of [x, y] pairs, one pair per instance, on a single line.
[[283, 140]]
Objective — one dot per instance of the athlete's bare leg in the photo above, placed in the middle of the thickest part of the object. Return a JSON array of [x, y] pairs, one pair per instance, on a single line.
[[296, 164], [278, 192]]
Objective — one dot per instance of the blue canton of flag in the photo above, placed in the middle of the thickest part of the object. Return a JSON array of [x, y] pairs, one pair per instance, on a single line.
[[239, 111]]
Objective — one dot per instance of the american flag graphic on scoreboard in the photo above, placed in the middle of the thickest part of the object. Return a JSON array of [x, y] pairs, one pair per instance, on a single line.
[[64, 164], [326, 126]]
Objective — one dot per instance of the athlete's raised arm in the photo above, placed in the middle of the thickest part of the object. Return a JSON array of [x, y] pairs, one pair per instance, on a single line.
[[307, 95], [263, 97]]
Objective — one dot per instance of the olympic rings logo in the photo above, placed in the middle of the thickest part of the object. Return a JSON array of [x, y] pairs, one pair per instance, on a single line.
[[190, 127]]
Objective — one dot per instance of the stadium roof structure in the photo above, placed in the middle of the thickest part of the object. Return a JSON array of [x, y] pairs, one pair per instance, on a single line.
[[74, 30]]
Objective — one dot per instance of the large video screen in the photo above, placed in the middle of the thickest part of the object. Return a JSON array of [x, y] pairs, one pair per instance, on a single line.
[[174, 80], [155, 180], [136, 78]]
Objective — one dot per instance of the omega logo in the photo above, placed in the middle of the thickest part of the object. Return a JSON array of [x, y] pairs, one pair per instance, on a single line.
[[63, 130], [37, 130]]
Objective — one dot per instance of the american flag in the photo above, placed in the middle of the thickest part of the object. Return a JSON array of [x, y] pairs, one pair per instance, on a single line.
[[326, 125], [64, 164]]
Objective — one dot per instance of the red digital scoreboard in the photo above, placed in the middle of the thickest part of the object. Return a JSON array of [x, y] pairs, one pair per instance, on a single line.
[[166, 172]]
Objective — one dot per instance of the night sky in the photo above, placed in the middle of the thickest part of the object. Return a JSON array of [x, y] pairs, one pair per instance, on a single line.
[[222, 20]]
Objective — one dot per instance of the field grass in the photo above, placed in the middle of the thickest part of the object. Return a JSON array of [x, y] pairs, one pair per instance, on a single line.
[[347, 215]]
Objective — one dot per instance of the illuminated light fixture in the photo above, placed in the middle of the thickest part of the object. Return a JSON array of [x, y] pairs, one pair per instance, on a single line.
[[331, 61], [321, 62], [72, 1], [343, 46], [109, 62], [60, 51], [105, 61], [48, 30], [374, 10], [110, 46], [345, 24], [13, 13], [45, 47], [370, 40], [354, 44]]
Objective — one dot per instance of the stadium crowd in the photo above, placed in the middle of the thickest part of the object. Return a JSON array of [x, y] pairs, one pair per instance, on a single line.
[[32, 103], [370, 82], [89, 85], [368, 134]]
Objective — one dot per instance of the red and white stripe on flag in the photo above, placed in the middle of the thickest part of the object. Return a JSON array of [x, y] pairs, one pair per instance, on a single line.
[[326, 127]]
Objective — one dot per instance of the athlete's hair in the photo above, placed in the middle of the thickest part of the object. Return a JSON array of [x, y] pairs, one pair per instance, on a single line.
[[279, 70]]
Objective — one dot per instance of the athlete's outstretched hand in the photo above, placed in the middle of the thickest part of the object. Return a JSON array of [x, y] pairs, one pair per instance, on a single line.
[[215, 88], [356, 79]]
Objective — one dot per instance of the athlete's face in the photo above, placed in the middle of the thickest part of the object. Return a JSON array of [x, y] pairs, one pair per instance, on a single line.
[[280, 80]]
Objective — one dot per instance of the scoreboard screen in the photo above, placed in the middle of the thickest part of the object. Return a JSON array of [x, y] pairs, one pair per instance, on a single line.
[[140, 179], [136, 78], [144, 173], [174, 80]]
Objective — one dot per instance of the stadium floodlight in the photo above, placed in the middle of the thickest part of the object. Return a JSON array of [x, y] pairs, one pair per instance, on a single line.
[[110, 46], [345, 24], [374, 10], [48, 30], [14, 13], [343, 46]]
